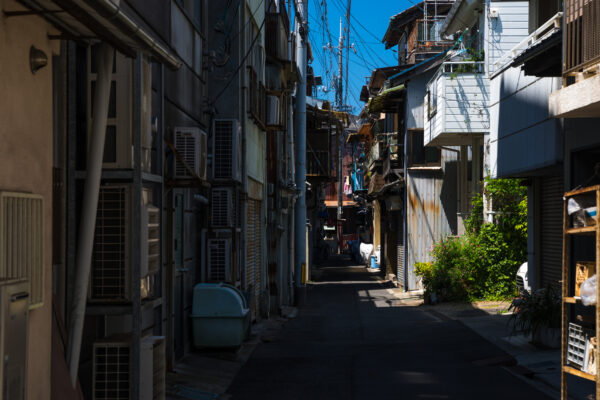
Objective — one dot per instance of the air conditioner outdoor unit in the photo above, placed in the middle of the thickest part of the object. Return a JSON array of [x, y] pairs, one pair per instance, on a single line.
[[118, 146], [221, 207], [112, 257], [191, 146], [227, 152], [219, 260], [273, 111], [14, 317], [112, 369]]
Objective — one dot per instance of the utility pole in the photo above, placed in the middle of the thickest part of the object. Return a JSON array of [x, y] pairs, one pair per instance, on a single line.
[[300, 132], [339, 93]]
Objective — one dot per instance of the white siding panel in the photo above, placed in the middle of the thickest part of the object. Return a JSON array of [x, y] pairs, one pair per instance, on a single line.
[[522, 141], [506, 31]]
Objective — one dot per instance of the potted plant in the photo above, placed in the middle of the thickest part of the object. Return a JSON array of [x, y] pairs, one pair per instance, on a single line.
[[538, 314]]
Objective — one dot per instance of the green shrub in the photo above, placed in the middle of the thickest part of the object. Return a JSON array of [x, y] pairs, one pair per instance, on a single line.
[[482, 263]]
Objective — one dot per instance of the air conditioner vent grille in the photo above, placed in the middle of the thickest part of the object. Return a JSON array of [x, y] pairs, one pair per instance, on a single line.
[[218, 254], [223, 150], [111, 371], [22, 241], [185, 143], [221, 207], [109, 265]]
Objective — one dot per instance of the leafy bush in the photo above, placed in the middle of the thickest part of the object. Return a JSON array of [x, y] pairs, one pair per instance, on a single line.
[[482, 263], [536, 310]]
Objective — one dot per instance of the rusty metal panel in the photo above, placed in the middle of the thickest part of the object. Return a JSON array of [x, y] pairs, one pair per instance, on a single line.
[[431, 210]]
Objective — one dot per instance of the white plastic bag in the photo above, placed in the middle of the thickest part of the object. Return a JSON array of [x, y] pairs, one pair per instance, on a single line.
[[588, 291]]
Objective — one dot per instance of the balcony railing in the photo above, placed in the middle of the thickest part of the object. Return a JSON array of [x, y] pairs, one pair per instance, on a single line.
[[581, 35], [541, 33]]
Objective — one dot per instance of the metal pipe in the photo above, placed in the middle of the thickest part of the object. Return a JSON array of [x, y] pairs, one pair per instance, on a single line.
[[300, 130], [90, 204]]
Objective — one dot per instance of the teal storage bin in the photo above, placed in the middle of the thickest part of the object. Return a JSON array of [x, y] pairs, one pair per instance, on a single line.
[[220, 316]]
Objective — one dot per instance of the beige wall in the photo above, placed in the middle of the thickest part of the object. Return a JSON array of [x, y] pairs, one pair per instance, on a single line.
[[26, 157]]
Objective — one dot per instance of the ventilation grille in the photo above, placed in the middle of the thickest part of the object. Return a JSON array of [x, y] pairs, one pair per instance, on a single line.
[[111, 371], [225, 150], [218, 259], [221, 208], [22, 241], [187, 145], [109, 261]]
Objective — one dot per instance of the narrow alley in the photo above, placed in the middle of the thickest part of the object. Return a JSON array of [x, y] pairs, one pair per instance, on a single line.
[[354, 340]]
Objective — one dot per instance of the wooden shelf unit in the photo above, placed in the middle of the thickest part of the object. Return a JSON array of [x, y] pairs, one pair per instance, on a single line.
[[570, 234]]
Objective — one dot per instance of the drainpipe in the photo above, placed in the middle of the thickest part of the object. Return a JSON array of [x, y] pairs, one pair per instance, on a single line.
[[405, 208], [87, 226], [300, 130], [291, 175], [243, 119]]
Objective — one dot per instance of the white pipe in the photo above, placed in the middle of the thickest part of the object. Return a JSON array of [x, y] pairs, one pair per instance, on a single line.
[[300, 133], [87, 225]]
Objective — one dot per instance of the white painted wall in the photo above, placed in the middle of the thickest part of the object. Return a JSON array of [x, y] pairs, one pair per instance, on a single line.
[[523, 137], [506, 31]]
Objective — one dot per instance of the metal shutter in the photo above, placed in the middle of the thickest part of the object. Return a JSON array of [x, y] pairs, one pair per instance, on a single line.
[[551, 215]]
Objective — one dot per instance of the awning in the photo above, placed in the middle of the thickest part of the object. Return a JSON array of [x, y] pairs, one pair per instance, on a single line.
[[106, 20], [385, 100], [543, 58], [364, 133]]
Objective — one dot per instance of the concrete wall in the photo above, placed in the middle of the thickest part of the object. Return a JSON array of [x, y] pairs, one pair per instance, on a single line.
[[521, 141], [26, 162]]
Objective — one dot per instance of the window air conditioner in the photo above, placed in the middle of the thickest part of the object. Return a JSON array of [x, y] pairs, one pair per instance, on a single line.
[[118, 146], [222, 210], [227, 152], [112, 369], [191, 145], [14, 317], [219, 260], [112, 257]]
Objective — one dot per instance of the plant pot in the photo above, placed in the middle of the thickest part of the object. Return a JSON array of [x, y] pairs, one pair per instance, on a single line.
[[548, 337]]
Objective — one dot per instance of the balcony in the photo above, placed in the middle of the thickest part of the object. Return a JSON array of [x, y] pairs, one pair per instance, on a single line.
[[456, 104], [580, 95], [429, 39]]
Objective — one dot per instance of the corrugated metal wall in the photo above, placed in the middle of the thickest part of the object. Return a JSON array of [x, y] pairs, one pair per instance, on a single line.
[[431, 210]]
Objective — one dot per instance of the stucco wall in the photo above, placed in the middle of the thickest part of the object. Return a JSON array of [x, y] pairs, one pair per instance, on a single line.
[[26, 158]]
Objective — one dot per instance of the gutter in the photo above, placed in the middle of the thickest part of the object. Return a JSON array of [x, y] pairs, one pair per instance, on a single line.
[[114, 14]]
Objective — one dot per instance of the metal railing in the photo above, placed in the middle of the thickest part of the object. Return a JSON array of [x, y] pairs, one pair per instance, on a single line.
[[541, 33], [581, 35]]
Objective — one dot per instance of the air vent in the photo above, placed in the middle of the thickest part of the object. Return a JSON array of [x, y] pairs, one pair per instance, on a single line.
[[190, 144], [111, 371], [22, 241], [218, 259], [222, 210], [226, 150]]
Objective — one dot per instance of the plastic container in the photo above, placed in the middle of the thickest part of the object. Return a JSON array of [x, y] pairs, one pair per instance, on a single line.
[[374, 264], [220, 316]]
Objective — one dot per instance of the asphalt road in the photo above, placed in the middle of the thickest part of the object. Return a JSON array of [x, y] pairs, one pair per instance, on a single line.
[[353, 341]]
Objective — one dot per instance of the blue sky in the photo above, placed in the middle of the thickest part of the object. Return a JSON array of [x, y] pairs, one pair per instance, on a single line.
[[368, 24]]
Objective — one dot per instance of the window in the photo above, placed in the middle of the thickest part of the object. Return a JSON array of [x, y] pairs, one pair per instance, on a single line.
[[419, 155]]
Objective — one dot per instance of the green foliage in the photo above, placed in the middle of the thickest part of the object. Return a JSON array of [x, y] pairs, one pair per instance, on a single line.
[[536, 310], [482, 263]]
